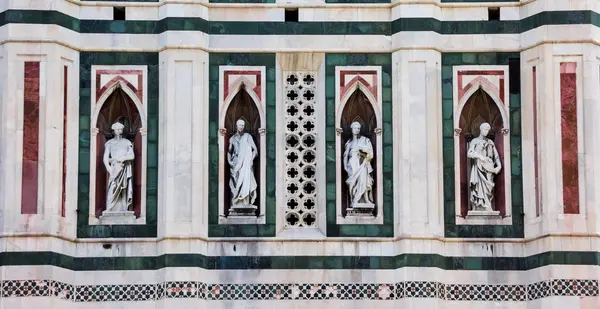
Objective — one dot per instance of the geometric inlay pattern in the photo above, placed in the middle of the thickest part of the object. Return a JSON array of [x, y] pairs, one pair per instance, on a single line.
[[300, 149], [301, 291]]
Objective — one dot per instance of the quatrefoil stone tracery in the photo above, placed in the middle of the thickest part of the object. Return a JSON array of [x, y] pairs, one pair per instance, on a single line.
[[300, 149]]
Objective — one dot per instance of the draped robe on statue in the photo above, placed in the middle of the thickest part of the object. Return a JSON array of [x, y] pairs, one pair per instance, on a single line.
[[358, 154], [242, 183], [120, 183], [481, 180]]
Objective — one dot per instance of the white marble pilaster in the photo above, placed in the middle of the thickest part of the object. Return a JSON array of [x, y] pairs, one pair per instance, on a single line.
[[48, 217], [417, 142], [183, 140]]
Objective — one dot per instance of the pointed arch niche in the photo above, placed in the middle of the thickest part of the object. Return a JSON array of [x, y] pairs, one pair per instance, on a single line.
[[481, 95], [241, 96], [119, 96], [358, 99]]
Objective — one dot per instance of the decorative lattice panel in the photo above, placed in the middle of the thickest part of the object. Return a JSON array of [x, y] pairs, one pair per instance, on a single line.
[[300, 149]]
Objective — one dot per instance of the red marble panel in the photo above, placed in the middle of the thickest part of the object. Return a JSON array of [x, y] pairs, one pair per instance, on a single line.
[[119, 72], [536, 158], [31, 123], [355, 72], [488, 72], [256, 89], [64, 150], [464, 178], [101, 174], [500, 188], [100, 91], [479, 80], [358, 79], [140, 88], [137, 177], [568, 107], [501, 91]]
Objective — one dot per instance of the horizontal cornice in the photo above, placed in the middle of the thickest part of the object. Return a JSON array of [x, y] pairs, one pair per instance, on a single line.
[[299, 28], [48, 258]]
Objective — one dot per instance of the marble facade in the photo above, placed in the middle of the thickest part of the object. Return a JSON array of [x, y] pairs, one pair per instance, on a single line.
[[417, 62]]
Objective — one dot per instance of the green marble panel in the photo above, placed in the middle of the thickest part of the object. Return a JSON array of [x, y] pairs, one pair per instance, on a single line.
[[241, 230], [480, 231], [300, 28], [87, 59], [474, 263], [358, 230]]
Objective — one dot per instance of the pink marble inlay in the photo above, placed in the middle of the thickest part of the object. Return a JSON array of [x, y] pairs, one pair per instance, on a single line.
[[536, 158], [64, 150], [346, 85], [568, 106], [111, 83], [31, 123], [256, 89]]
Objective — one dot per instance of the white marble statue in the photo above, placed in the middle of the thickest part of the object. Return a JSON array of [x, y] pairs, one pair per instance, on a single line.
[[118, 160], [240, 156], [486, 164], [358, 153]]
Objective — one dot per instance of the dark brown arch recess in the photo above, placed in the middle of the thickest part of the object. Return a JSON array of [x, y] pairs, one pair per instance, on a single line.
[[358, 108], [480, 108], [118, 107], [243, 107]]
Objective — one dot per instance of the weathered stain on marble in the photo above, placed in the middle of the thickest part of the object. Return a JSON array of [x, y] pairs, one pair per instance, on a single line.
[[31, 121], [568, 115]]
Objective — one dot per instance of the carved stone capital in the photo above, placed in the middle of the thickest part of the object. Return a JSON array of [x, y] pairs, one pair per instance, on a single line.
[[339, 131], [377, 131], [143, 131], [262, 131], [504, 131], [223, 131], [457, 131]]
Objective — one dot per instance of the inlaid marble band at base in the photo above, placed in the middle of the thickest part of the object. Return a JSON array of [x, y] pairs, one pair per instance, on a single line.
[[302, 291]]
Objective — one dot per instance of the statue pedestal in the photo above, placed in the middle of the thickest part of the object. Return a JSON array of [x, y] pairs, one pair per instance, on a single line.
[[117, 217], [483, 214], [242, 210], [361, 210]]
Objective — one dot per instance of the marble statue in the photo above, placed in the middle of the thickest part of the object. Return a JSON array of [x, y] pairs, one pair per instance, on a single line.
[[242, 182], [118, 160], [486, 165], [358, 153]]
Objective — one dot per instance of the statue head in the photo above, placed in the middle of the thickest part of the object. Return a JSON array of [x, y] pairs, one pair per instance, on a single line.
[[484, 129], [355, 127], [117, 127], [240, 124]]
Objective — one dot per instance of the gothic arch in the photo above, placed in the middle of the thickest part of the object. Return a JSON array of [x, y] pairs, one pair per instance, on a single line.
[[119, 84], [359, 86], [481, 104], [99, 136], [490, 90], [242, 85]]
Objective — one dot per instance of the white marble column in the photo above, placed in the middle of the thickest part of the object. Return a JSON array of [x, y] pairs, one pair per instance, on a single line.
[[417, 124], [183, 143]]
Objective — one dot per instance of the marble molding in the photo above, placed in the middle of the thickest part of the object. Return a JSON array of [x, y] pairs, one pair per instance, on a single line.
[[367, 79], [132, 80], [234, 79], [493, 79]]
